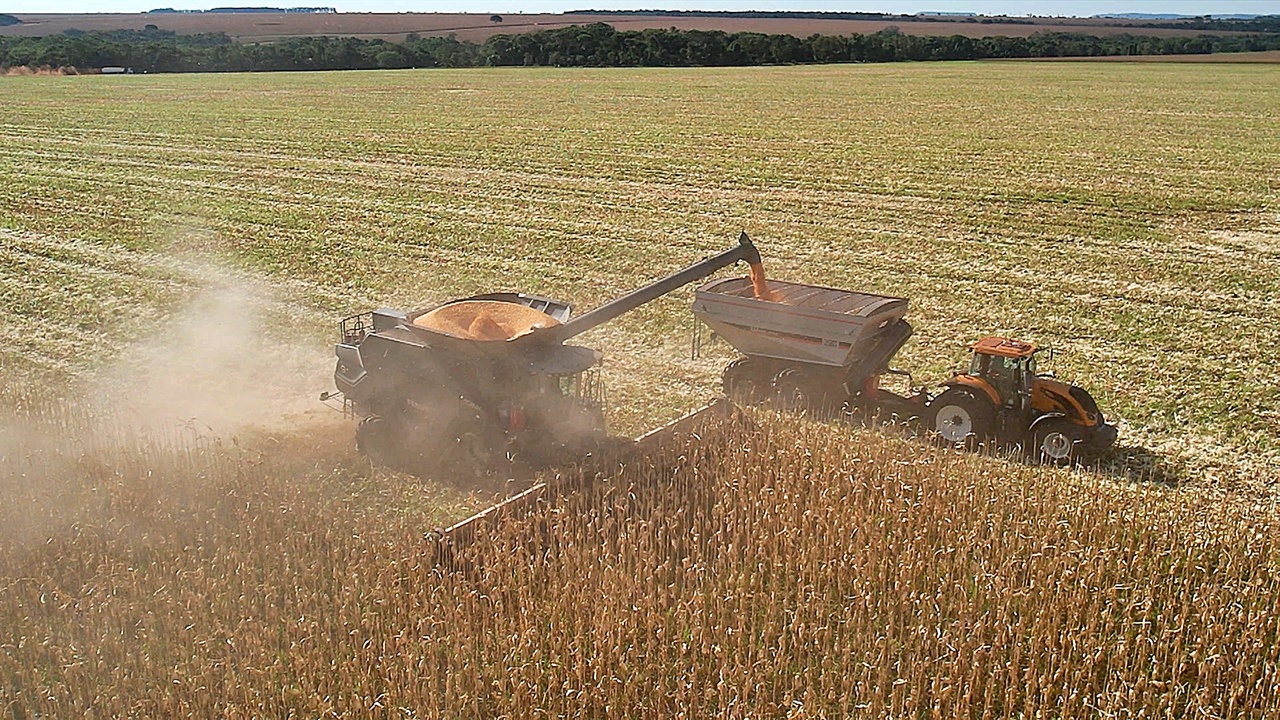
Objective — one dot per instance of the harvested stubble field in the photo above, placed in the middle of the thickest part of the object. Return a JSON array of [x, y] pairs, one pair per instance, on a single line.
[[1126, 215], [175, 249]]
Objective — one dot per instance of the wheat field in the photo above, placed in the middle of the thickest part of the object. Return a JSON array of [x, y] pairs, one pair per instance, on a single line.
[[188, 533], [769, 571]]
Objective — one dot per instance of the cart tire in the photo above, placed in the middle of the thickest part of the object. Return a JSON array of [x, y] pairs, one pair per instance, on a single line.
[[741, 380], [792, 391]]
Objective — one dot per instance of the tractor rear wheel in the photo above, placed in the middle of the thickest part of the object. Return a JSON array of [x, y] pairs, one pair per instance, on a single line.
[[960, 418], [1056, 442]]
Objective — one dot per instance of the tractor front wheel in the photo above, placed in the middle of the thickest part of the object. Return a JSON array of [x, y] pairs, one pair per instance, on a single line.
[[1057, 442], [960, 418]]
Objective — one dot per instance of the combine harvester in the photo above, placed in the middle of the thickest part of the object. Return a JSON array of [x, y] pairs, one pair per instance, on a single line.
[[488, 382]]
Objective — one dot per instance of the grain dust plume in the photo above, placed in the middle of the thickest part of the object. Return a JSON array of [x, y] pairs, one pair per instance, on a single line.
[[237, 364], [232, 358]]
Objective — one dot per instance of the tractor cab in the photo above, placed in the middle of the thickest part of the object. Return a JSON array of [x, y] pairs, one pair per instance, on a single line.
[[1007, 367]]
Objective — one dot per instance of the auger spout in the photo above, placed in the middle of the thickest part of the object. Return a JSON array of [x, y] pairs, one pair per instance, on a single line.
[[745, 250]]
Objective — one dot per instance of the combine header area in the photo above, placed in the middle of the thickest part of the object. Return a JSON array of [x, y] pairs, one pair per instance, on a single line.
[[463, 533]]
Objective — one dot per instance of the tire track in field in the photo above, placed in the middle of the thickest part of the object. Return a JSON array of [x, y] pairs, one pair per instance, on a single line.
[[341, 166], [476, 181], [341, 198], [524, 179], [328, 169]]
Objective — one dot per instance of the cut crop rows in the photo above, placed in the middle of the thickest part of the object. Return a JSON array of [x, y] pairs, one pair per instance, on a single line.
[[1125, 214]]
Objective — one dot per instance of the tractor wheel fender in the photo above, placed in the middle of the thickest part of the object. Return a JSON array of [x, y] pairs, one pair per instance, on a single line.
[[974, 386], [1047, 417]]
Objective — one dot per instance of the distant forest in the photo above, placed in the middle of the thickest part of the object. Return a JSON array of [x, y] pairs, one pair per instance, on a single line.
[[1259, 23], [595, 45]]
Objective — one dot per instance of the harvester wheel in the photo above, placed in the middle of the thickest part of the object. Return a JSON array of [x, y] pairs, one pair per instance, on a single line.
[[1056, 442], [371, 437], [960, 418]]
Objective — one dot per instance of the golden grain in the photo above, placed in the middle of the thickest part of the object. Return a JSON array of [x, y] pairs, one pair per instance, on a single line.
[[794, 570]]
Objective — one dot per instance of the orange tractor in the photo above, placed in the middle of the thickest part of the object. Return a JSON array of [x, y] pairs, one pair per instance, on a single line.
[[1002, 396]]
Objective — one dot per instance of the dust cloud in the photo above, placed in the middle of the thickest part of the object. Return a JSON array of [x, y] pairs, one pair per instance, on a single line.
[[236, 356], [231, 373]]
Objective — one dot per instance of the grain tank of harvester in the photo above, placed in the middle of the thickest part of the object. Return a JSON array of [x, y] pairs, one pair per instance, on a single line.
[[814, 347], [486, 379]]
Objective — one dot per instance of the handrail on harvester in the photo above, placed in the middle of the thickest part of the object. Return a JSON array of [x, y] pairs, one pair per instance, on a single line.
[[744, 250]]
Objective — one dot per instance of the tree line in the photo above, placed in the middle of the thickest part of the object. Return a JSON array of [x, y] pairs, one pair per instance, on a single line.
[[595, 45], [1257, 23], [601, 45]]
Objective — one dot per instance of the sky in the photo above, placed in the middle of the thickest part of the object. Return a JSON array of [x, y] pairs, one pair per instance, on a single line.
[[1067, 8]]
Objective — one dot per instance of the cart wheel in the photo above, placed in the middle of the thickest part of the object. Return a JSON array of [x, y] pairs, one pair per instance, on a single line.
[[741, 380], [791, 393]]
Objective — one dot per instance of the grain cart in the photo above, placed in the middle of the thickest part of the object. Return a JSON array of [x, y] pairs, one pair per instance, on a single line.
[[821, 348], [486, 379]]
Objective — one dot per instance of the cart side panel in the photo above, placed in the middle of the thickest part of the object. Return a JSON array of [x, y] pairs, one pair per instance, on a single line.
[[807, 323]]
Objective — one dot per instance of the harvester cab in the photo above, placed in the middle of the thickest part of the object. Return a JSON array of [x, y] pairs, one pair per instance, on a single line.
[[1003, 396]]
